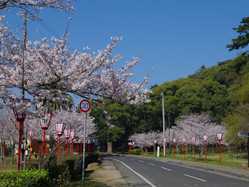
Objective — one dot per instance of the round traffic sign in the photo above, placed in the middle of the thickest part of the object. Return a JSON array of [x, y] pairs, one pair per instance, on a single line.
[[85, 105]]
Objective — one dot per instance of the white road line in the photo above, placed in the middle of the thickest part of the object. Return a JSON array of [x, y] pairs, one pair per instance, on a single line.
[[167, 169], [151, 164], [196, 178], [138, 174], [141, 161]]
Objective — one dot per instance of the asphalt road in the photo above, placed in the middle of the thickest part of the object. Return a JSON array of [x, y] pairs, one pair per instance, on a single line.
[[147, 172]]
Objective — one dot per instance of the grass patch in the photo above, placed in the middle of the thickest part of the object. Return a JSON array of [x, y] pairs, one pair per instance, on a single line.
[[87, 183], [212, 159]]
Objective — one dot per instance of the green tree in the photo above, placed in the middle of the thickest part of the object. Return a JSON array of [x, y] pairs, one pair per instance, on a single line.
[[243, 39], [237, 121]]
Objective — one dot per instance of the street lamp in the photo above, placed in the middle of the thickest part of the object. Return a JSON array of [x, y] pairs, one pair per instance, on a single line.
[[184, 148], [45, 123], [174, 148], [30, 149], [193, 146], [205, 138], [155, 144], [67, 133], [72, 136], [219, 138], [59, 133]]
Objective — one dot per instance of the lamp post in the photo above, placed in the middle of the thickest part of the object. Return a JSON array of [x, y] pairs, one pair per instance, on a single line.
[[193, 147], [30, 139], [67, 133], [130, 145], [72, 136], [45, 123], [205, 138], [184, 148], [1, 150], [219, 138], [155, 145], [174, 148], [59, 133]]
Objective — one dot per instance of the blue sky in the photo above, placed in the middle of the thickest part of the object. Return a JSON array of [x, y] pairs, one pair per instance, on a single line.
[[173, 38]]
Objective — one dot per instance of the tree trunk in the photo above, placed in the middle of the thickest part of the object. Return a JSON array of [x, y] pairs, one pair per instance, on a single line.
[[109, 147], [20, 125]]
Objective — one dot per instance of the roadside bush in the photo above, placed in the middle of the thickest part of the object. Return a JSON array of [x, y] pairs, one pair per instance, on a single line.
[[90, 158], [25, 178], [69, 170], [137, 151]]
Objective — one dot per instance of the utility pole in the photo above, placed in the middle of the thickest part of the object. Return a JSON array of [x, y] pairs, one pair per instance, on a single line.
[[163, 116], [169, 126]]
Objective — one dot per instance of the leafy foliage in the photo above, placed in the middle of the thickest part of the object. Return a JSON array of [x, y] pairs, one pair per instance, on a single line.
[[243, 39], [26, 178]]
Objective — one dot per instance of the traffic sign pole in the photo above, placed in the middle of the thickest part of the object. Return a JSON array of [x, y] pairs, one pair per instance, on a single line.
[[84, 148], [85, 107]]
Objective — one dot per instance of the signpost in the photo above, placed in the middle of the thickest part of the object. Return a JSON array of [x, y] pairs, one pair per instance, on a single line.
[[245, 135], [85, 107]]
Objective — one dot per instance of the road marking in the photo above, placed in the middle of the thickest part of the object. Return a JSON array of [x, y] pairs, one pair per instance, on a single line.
[[167, 169], [151, 164], [138, 174], [141, 161], [196, 178]]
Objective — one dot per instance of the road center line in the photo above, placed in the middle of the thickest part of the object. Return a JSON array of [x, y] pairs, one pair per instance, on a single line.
[[167, 169], [196, 178], [151, 164], [138, 174]]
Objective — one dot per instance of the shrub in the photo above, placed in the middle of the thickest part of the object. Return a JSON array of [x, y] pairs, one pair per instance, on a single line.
[[137, 151], [25, 178]]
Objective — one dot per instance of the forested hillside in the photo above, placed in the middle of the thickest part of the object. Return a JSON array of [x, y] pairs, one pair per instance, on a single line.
[[222, 91]]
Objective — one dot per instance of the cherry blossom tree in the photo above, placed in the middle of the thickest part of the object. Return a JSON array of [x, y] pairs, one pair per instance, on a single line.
[[8, 131], [188, 127], [35, 74], [74, 121], [31, 4], [147, 139], [198, 126], [52, 71]]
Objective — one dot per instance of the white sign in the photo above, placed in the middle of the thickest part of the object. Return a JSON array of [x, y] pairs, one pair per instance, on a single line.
[[243, 134]]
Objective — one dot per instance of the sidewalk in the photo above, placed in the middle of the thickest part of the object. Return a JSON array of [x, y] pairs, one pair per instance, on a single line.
[[106, 173]]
